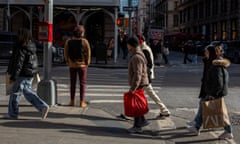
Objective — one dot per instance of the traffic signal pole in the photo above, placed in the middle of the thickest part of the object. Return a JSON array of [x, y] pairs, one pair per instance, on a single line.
[[115, 36], [47, 87], [130, 19]]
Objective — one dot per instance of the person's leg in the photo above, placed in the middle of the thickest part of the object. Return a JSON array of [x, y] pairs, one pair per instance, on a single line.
[[185, 58], [83, 78], [227, 134], [15, 96], [73, 80], [151, 93], [31, 96], [165, 58]]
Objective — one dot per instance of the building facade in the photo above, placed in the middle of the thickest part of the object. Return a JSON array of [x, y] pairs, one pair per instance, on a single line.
[[213, 19], [98, 17]]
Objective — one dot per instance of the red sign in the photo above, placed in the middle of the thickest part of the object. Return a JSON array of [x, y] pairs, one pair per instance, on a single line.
[[45, 32]]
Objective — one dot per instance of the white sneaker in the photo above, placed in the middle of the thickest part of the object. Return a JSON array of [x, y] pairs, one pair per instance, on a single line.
[[226, 135], [194, 130], [135, 130], [45, 112], [191, 123]]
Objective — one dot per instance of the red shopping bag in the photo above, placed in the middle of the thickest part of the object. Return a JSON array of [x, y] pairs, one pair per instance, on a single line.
[[135, 104]]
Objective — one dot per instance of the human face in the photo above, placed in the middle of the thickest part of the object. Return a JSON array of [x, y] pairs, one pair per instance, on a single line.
[[130, 48], [219, 50], [206, 54]]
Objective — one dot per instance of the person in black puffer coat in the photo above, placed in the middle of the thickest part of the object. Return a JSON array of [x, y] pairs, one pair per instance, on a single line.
[[22, 67]]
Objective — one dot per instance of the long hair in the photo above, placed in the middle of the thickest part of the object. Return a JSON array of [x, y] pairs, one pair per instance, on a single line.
[[24, 36], [212, 54]]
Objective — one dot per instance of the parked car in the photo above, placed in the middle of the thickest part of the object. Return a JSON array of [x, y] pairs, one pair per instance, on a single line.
[[233, 51], [7, 42]]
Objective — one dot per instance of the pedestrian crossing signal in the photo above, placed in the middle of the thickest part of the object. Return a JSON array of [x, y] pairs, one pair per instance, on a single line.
[[119, 22]]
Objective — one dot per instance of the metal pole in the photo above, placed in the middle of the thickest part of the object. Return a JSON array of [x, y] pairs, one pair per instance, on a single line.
[[115, 36], [130, 19], [48, 45], [47, 87], [140, 17], [8, 16]]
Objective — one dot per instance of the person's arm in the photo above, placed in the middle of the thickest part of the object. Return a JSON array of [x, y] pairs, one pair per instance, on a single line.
[[66, 51], [137, 74], [88, 57], [149, 60], [18, 65]]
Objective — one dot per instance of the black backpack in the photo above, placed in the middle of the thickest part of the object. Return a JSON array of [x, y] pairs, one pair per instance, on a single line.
[[75, 50]]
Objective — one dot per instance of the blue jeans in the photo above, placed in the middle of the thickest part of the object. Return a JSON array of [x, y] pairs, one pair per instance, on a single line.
[[23, 85], [194, 59], [198, 117]]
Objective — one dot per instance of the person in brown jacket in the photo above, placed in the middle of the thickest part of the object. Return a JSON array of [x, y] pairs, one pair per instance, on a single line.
[[77, 54], [137, 77]]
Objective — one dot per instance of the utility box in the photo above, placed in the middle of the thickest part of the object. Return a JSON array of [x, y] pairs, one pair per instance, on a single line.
[[47, 91]]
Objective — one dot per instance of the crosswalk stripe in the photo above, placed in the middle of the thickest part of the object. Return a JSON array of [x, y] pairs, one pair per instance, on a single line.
[[113, 101]]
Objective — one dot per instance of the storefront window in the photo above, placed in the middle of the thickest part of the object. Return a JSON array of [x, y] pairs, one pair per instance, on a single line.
[[234, 29], [224, 29]]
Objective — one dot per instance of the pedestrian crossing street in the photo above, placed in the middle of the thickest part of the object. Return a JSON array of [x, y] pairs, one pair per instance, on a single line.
[[105, 89], [104, 85]]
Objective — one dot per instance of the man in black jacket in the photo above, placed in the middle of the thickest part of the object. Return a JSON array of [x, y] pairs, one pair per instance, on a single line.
[[22, 67]]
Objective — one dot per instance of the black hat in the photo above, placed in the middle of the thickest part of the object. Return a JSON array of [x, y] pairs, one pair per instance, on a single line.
[[133, 41]]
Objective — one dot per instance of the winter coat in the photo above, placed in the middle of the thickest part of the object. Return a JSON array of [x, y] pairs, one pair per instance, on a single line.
[[23, 62], [137, 70], [150, 60], [80, 63], [217, 78], [203, 93]]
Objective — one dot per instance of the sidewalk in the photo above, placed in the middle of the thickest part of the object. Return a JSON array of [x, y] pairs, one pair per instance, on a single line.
[[75, 125]]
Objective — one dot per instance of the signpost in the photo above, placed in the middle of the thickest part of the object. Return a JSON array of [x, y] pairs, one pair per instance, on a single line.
[[47, 87], [130, 9]]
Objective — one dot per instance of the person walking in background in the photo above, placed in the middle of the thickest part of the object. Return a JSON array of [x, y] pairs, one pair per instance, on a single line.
[[164, 112], [194, 53], [137, 77], [165, 52], [77, 55], [216, 86], [22, 67], [156, 50], [110, 48], [202, 95], [123, 44], [186, 49]]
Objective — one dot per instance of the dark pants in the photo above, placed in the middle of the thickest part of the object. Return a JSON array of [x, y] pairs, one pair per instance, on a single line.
[[139, 121], [186, 58], [82, 73], [165, 58]]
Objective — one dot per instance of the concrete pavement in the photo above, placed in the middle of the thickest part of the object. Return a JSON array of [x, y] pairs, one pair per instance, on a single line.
[[70, 125]]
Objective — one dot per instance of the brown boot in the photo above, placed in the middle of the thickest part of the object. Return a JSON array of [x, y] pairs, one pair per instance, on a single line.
[[83, 104], [71, 103]]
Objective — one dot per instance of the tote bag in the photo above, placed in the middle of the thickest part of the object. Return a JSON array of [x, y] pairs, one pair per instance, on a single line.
[[135, 104], [214, 113]]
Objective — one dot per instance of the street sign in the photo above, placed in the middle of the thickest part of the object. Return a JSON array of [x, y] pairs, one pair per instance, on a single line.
[[129, 8]]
